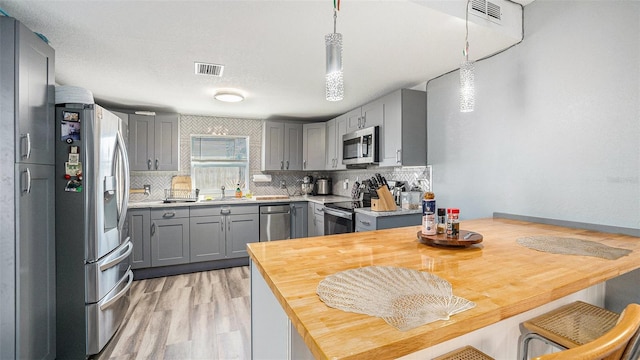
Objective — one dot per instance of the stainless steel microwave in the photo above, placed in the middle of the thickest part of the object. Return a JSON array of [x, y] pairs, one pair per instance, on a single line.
[[361, 147]]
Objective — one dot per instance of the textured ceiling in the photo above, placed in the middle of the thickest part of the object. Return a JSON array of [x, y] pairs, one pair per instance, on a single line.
[[141, 54]]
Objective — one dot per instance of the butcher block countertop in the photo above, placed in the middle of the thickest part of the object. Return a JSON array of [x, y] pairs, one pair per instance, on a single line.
[[503, 279]]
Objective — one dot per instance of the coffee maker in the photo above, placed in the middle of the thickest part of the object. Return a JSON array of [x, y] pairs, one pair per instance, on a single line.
[[307, 185]]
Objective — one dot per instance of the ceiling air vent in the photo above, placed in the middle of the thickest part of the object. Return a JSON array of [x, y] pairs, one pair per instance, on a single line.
[[486, 9], [209, 69]]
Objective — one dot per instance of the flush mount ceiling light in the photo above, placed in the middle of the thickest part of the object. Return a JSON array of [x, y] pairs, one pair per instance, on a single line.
[[333, 43], [226, 96], [467, 76]]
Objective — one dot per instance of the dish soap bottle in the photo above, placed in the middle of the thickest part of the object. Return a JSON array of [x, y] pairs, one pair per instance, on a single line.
[[238, 191]]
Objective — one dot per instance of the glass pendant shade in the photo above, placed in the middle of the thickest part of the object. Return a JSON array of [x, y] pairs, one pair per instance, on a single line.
[[467, 87], [334, 81]]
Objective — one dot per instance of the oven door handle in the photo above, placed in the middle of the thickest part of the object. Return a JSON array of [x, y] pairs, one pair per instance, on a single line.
[[330, 211]]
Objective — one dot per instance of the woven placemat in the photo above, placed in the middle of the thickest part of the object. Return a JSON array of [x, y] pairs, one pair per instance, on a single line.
[[571, 246], [404, 298]]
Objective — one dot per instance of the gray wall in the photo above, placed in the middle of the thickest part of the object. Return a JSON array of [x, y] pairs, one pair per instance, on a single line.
[[556, 130]]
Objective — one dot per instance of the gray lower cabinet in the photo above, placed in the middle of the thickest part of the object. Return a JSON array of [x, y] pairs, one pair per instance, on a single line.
[[36, 295], [316, 219], [241, 230], [299, 222], [366, 222], [222, 232], [139, 229], [169, 236], [207, 238]]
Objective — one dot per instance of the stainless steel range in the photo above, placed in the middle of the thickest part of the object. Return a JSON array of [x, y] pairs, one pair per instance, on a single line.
[[339, 217]]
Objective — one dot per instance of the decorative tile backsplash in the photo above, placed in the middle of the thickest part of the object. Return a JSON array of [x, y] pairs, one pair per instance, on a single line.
[[200, 125]]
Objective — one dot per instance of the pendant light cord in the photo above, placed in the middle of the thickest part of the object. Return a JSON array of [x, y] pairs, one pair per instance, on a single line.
[[335, 18], [465, 52]]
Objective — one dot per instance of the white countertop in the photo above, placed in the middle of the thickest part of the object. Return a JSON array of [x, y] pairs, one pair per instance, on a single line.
[[233, 201], [398, 212]]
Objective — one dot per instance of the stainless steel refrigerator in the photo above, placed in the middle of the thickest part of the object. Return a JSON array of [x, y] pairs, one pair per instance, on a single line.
[[92, 253]]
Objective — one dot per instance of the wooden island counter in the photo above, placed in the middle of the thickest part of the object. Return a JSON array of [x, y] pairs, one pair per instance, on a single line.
[[508, 283]]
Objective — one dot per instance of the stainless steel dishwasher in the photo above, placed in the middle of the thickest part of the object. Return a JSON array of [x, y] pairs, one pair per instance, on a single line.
[[275, 222]]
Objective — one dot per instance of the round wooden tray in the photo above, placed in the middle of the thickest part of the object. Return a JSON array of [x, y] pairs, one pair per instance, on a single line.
[[466, 238]]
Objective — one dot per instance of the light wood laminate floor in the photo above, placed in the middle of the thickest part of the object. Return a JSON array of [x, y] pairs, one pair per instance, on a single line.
[[203, 315]]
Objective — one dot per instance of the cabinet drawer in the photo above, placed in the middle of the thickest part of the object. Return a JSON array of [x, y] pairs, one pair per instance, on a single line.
[[244, 209], [365, 223], [223, 210], [169, 213]]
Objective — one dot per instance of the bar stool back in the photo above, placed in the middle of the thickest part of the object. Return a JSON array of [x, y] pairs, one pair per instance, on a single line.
[[620, 342], [567, 327]]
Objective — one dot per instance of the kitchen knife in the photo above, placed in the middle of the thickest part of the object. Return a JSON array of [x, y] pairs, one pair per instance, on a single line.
[[374, 183]]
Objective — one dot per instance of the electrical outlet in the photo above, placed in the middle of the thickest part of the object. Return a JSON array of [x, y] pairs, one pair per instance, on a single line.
[[283, 184], [147, 188]]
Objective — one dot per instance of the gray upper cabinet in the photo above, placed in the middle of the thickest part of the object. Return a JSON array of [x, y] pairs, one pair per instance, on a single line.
[[404, 124], [281, 146], [35, 82], [27, 242], [370, 114], [153, 142], [335, 129], [314, 144]]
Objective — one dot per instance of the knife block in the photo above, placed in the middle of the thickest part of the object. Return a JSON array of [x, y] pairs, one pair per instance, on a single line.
[[384, 202]]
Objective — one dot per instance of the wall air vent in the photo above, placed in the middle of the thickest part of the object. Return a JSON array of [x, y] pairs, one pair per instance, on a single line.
[[209, 69], [486, 9]]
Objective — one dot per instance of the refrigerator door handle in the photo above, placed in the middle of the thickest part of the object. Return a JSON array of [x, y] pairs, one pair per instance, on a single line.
[[124, 159], [109, 263], [110, 301]]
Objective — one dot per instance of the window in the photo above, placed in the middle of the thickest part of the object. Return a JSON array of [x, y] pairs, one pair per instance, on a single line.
[[218, 160]]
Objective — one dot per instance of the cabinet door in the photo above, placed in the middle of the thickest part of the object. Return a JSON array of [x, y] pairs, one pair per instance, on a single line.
[[365, 222], [241, 230], [169, 242], [341, 129], [35, 267], [139, 221], [293, 147], [273, 146], [141, 147], [166, 142], [35, 110], [391, 132], [373, 113], [331, 142], [354, 119], [311, 220], [299, 220], [318, 210], [207, 238], [313, 141]]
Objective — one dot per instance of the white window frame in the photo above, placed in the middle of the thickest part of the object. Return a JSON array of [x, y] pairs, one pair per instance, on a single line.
[[229, 182]]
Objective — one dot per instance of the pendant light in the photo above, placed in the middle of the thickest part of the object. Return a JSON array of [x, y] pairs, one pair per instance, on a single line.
[[467, 86], [333, 43]]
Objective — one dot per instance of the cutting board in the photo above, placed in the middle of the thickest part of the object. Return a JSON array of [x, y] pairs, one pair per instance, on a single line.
[[270, 197], [182, 183]]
